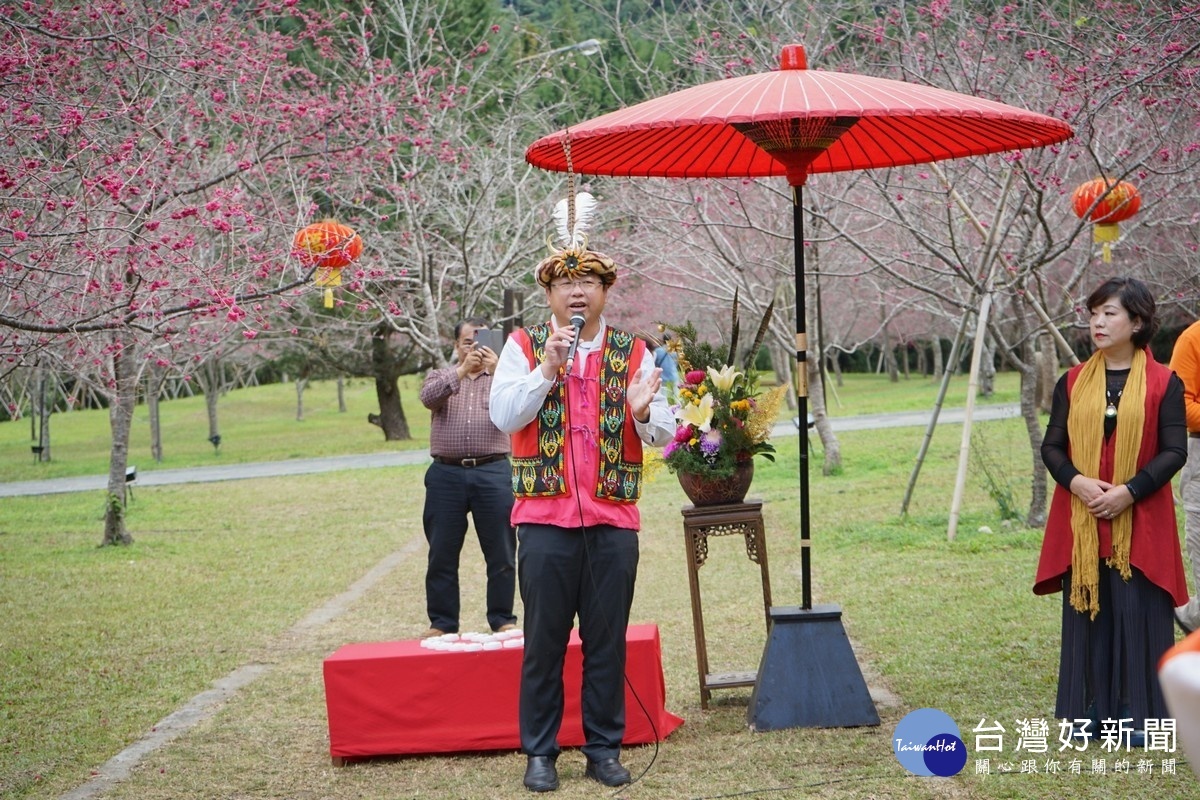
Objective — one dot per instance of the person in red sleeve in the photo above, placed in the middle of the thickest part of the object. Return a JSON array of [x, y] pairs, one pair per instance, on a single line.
[[1185, 362], [578, 419], [1115, 439]]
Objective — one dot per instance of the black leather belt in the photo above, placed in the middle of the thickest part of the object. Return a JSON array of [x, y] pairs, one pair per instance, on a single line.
[[470, 462]]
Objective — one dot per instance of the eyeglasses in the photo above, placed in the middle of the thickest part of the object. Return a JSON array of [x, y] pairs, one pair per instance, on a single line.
[[586, 284]]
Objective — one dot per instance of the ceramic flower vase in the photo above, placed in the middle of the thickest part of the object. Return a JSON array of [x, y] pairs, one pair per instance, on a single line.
[[705, 491]]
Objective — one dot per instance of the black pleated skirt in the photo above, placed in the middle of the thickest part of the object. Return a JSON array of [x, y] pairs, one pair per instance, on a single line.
[[1108, 668]]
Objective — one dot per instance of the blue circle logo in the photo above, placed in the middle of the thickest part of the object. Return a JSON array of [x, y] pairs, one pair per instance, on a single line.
[[927, 743]]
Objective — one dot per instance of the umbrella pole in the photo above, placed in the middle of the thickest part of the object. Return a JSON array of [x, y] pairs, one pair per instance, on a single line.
[[808, 676], [802, 397]]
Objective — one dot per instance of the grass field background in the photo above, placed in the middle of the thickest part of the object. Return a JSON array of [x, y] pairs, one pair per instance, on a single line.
[[260, 424], [100, 644]]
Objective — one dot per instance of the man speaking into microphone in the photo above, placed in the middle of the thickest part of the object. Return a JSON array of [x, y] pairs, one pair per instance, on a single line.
[[579, 399]]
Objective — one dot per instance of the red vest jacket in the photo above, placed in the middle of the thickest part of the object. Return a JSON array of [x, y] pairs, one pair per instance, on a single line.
[[539, 449], [1154, 547]]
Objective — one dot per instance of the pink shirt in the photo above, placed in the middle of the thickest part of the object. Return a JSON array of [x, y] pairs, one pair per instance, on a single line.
[[582, 450], [518, 392]]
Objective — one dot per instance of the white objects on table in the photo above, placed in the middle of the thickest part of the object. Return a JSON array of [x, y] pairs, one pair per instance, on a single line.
[[475, 642]]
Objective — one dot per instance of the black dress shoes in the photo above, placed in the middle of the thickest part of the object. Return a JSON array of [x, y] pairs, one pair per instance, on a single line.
[[541, 775], [608, 771]]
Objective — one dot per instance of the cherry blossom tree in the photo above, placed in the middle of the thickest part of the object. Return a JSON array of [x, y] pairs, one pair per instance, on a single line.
[[936, 240], [459, 218], [157, 157], [1003, 227]]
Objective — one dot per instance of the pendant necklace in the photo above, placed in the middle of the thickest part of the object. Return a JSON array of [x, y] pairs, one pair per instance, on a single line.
[[1111, 411]]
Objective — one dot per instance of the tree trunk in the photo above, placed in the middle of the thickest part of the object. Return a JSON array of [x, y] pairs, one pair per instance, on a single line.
[[120, 419], [1047, 370], [12, 402], [391, 411], [341, 393], [938, 366], [781, 362], [210, 380], [889, 363], [301, 385], [816, 403], [1033, 427], [154, 382], [214, 427], [44, 430], [889, 355], [156, 451], [387, 389], [42, 415], [987, 367]]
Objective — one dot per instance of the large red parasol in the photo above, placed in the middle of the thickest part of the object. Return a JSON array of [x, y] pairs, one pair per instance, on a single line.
[[792, 122]]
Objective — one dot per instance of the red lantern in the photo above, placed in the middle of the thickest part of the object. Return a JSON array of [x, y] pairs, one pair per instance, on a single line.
[[329, 246], [1118, 201]]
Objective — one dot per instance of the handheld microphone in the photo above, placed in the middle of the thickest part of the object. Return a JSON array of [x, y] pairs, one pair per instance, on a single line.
[[577, 322]]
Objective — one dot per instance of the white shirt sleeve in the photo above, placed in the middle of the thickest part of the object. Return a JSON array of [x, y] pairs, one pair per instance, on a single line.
[[660, 428], [517, 392]]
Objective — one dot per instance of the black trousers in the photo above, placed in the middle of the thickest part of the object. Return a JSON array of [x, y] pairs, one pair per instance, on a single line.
[[484, 492], [563, 572]]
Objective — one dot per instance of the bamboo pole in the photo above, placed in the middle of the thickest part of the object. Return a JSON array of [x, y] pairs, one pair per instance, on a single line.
[[964, 451], [990, 259]]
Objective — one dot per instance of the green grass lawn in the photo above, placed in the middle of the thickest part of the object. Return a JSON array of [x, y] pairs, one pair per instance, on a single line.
[[256, 424], [875, 394], [100, 644], [260, 424]]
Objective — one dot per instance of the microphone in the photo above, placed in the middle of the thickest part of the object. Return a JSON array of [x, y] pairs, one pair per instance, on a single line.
[[577, 322]]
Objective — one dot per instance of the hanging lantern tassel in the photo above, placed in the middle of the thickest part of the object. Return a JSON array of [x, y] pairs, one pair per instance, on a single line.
[[1104, 234], [328, 278]]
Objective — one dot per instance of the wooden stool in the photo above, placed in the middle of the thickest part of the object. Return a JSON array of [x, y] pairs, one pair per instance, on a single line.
[[699, 523]]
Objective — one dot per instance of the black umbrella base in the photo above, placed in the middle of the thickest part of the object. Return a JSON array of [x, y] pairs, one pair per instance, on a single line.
[[808, 677]]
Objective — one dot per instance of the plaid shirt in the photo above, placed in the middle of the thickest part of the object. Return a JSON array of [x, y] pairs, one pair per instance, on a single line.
[[461, 426]]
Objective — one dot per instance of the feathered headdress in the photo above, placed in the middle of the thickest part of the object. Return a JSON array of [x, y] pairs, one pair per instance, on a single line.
[[571, 258]]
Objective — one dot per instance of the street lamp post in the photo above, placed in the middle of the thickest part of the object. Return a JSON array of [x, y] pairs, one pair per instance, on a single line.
[[588, 47]]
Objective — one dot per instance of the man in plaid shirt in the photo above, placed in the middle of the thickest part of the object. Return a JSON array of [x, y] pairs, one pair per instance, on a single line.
[[470, 474]]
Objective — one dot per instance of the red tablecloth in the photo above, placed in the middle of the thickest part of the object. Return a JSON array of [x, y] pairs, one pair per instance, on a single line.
[[398, 698]]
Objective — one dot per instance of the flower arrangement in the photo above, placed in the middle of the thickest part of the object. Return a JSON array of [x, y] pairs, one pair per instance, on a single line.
[[723, 416]]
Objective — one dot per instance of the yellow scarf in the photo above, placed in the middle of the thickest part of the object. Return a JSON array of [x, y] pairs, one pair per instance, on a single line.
[[1085, 432]]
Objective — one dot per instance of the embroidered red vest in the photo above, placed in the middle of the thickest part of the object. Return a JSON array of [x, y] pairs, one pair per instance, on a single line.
[[539, 449]]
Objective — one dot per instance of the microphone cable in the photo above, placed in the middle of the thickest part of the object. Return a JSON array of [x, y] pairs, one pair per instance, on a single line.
[[567, 424]]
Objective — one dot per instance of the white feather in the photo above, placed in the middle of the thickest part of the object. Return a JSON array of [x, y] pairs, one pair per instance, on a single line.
[[560, 223], [585, 208]]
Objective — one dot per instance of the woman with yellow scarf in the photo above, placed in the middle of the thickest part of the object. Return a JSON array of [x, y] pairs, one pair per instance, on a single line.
[[1117, 435]]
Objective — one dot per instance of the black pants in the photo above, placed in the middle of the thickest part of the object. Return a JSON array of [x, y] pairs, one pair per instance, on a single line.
[[484, 492], [563, 572]]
